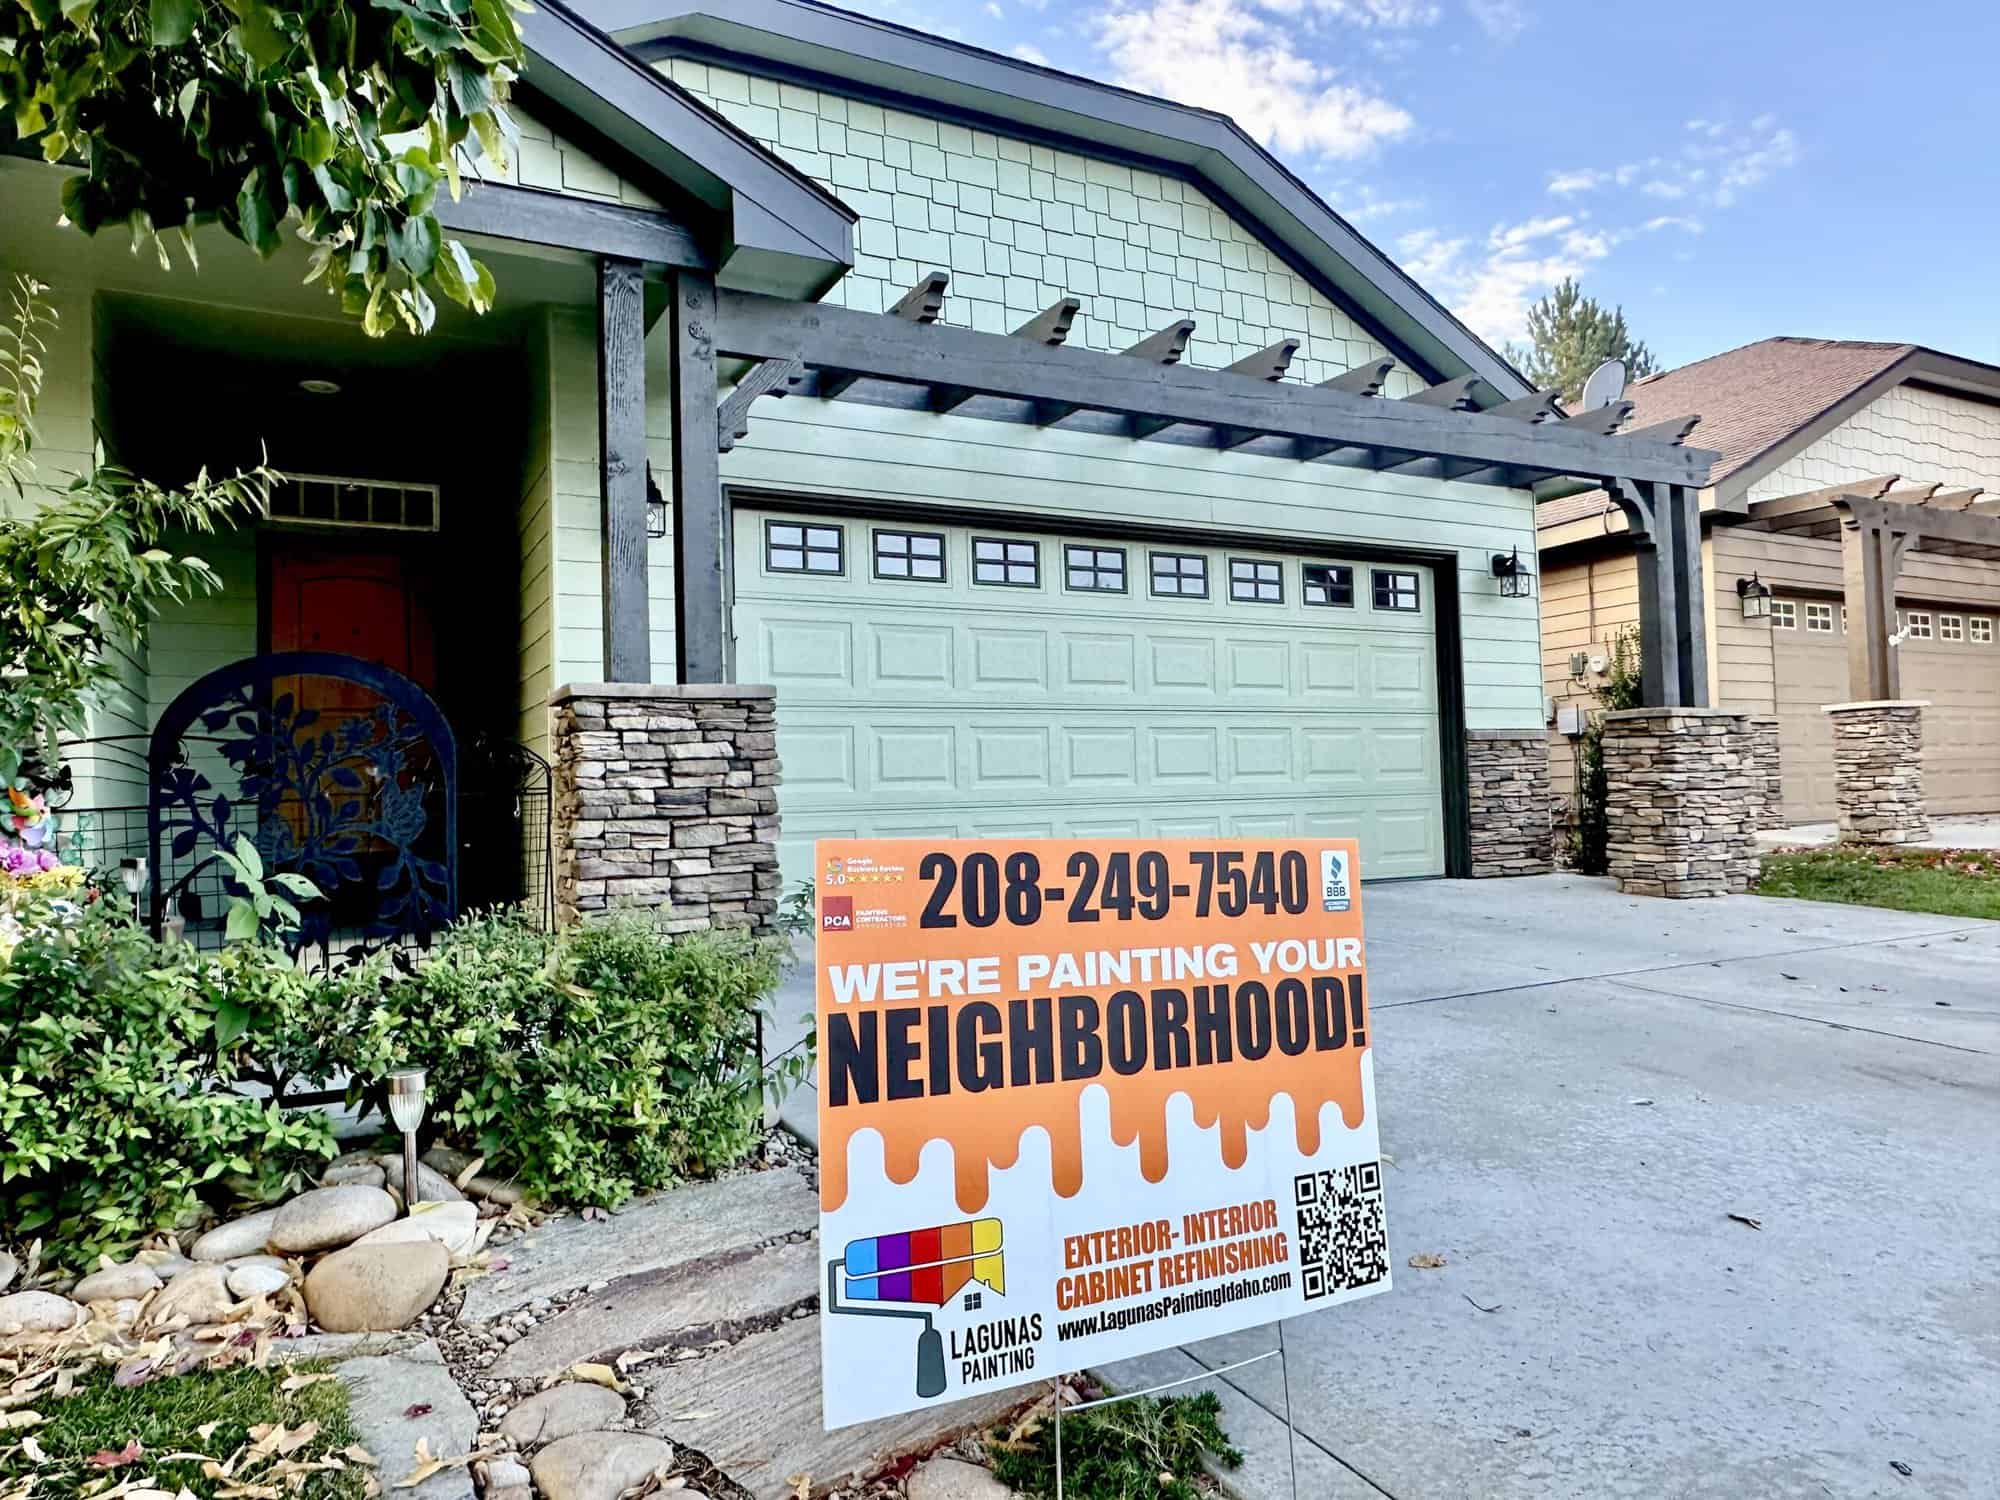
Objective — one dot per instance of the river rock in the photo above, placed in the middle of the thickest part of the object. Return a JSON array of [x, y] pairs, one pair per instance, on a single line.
[[328, 1217], [37, 1312], [598, 1465], [249, 1281], [376, 1288], [367, 1173], [165, 1264], [507, 1480], [116, 1282], [954, 1479], [453, 1225], [560, 1412], [200, 1296], [432, 1186], [244, 1236]]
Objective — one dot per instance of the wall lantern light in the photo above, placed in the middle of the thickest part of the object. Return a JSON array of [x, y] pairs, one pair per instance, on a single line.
[[1755, 596], [656, 507], [406, 1108], [1516, 582]]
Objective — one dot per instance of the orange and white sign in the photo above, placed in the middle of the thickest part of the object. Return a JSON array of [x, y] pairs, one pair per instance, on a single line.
[[1081, 1099]]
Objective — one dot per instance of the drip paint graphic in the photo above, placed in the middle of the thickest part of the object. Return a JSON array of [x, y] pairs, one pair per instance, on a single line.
[[984, 1128], [921, 1266]]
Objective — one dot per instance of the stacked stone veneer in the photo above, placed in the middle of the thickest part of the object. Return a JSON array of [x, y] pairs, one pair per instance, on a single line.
[[1508, 775], [667, 797], [1684, 801], [1770, 771], [1878, 771]]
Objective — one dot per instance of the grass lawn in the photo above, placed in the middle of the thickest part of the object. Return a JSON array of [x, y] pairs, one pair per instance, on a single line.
[[1950, 882], [85, 1438]]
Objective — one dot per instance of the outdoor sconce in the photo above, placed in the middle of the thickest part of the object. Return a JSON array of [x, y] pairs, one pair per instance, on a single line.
[[132, 875], [656, 508], [1755, 596], [406, 1108], [1516, 582]]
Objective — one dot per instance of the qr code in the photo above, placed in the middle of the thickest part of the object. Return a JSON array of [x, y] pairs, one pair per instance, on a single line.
[[1343, 1236]]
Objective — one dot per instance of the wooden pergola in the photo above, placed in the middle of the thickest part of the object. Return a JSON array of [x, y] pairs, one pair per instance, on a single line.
[[909, 358]]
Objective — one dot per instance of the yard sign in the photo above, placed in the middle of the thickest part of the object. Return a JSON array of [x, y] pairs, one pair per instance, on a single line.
[[1083, 1099]]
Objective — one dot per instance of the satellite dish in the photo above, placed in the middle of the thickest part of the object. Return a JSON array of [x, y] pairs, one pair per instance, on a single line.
[[1606, 385]]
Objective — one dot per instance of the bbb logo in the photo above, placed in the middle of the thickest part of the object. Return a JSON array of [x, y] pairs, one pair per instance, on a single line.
[[836, 914]]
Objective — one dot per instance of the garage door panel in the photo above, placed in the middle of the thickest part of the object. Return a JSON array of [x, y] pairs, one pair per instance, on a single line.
[[933, 709]]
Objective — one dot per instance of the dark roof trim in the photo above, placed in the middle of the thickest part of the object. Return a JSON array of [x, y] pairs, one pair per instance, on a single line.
[[535, 217], [1926, 367], [856, 55], [799, 238]]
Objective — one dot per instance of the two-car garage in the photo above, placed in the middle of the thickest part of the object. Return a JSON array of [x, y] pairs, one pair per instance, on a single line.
[[975, 679]]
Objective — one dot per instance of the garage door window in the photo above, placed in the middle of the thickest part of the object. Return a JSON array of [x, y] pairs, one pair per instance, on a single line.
[[915, 555], [792, 548], [1255, 582], [1819, 619], [1328, 586], [1920, 625], [1982, 631], [1784, 615], [1180, 575], [1002, 562], [1396, 590], [1095, 570], [1951, 627]]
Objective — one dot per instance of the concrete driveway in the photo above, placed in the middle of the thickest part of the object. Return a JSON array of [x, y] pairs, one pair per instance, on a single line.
[[1577, 1089]]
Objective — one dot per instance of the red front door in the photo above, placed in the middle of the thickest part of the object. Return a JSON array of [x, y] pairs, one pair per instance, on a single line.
[[365, 604]]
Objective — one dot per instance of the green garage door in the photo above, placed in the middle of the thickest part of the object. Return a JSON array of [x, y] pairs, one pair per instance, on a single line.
[[975, 681]]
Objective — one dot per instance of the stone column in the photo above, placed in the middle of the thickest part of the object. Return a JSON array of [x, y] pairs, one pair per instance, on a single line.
[[1683, 802], [1764, 744], [1507, 771], [667, 797], [1878, 771]]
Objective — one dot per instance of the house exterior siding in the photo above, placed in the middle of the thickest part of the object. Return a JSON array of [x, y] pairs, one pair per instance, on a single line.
[[1922, 434]]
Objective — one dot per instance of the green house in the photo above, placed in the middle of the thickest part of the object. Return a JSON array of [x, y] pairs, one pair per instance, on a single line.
[[1077, 470]]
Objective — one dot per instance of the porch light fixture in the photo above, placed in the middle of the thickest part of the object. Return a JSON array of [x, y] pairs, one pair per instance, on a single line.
[[1516, 582], [1755, 596], [656, 508], [318, 386], [406, 1108]]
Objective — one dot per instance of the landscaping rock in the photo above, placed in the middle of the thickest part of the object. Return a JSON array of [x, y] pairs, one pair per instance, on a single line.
[[258, 1280], [37, 1312], [328, 1217], [432, 1186], [954, 1479], [453, 1225], [116, 1282], [400, 1397], [560, 1412], [200, 1295], [507, 1480], [272, 1262], [244, 1236], [375, 1288], [164, 1264], [366, 1173], [598, 1465], [9, 1269], [501, 1190]]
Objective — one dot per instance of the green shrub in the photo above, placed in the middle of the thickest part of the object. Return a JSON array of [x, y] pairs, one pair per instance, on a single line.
[[1147, 1448], [115, 1120], [587, 1066]]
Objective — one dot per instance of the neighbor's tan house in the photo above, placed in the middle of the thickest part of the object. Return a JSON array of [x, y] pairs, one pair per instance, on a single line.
[[1800, 422]]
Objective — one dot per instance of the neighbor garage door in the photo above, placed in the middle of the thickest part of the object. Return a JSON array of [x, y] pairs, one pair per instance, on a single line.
[[1950, 659], [978, 681]]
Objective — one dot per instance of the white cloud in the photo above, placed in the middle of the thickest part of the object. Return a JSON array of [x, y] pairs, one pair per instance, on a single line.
[[1503, 20], [1583, 180], [1674, 221], [1225, 55], [993, 9], [1491, 288], [1029, 52], [1714, 165], [1358, 203], [1393, 13]]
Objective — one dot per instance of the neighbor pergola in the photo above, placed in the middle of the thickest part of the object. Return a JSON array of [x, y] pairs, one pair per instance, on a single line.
[[1878, 521], [909, 357]]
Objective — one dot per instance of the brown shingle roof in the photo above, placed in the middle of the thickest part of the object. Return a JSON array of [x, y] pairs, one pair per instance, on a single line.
[[1749, 400]]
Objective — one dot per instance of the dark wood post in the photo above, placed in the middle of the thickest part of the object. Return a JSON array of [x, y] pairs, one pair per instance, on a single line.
[[1871, 556], [621, 425], [1690, 601], [701, 631]]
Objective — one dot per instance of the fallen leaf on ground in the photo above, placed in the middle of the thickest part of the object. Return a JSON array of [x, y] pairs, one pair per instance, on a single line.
[[299, 1382], [416, 1409], [801, 1486], [1426, 1262], [1746, 1219], [107, 1458], [14, 1421], [602, 1375]]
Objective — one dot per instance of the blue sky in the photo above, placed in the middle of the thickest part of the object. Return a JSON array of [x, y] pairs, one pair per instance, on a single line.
[[1725, 169]]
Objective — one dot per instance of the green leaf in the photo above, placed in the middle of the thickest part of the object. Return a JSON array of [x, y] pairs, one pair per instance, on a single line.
[[414, 243], [253, 213], [249, 858], [231, 1021], [297, 884], [184, 101], [257, 34], [173, 22], [313, 144]]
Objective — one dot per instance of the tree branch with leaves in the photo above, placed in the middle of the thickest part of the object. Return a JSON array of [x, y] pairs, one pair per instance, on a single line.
[[343, 118]]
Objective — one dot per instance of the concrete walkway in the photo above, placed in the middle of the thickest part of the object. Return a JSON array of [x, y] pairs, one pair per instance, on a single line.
[[1980, 831], [1577, 1090]]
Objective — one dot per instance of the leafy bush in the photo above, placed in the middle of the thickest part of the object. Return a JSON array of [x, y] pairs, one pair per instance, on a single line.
[[1622, 688], [1148, 1448], [586, 1065], [115, 1118]]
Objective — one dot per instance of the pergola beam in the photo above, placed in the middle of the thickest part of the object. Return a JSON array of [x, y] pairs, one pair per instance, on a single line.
[[1362, 380], [1875, 534], [1532, 408], [1058, 380], [1452, 395], [921, 304]]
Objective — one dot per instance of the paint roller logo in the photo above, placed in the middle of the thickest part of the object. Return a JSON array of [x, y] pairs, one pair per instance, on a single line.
[[919, 1269]]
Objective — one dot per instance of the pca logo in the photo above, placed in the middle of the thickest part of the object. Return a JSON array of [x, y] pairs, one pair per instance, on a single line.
[[836, 914]]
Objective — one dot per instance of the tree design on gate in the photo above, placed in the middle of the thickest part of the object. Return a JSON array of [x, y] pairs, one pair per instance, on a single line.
[[362, 802]]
